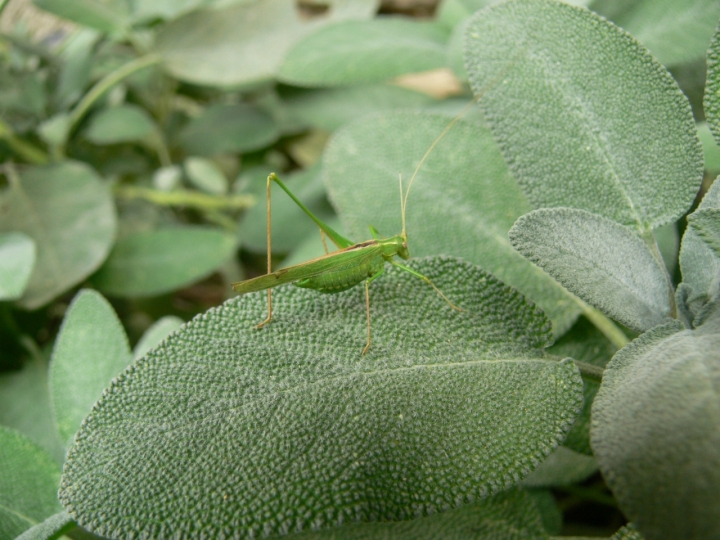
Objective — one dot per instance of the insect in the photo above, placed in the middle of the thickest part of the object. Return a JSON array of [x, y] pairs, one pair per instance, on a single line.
[[352, 263]]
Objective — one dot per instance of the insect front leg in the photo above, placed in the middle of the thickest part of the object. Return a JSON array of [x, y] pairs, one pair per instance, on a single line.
[[367, 307]]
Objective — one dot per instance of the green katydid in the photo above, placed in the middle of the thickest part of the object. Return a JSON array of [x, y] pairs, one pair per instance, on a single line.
[[352, 263]]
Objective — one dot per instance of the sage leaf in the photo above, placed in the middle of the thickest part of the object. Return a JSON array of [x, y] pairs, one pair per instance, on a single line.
[[707, 225], [604, 263], [222, 46], [290, 427], [362, 52], [69, 213], [50, 529], [148, 263], [462, 203], [563, 467], [560, 88], [90, 350], [205, 175], [108, 17], [656, 431], [675, 31], [28, 484], [154, 335], [711, 100], [17, 258], [124, 123]]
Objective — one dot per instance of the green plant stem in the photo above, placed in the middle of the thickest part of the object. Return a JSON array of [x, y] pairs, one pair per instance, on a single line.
[[606, 326], [590, 372], [107, 82], [27, 151], [185, 197]]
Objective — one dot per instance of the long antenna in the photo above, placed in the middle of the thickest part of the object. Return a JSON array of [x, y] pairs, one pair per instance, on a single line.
[[480, 94]]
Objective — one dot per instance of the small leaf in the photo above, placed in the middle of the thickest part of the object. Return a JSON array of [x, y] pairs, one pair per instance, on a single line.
[[656, 431], [560, 87], [675, 31], [707, 225], [699, 263], [50, 529], [245, 43], [711, 101], [154, 335], [331, 108], [28, 484], [106, 16], [362, 52], [290, 427], [17, 258], [228, 128], [124, 123], [510, 515], [604, 263], [206, 176], [154, 262], [562, 468], [90, 350], [462, 203], [69, 213]]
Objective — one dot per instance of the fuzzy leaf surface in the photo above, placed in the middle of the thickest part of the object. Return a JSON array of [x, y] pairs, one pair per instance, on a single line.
[[90, 350], [656, 431], [17, 258], [707, 224], [462, 203], [69, 213], [362, 52], [153, 262], [245, 43], [711, 100], [29, 478], [291, 427], [604, 263], [675, 31], [561, 87]]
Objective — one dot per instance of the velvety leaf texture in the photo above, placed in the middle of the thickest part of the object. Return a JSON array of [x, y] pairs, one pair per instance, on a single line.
[[69, 213], [226, 430], [462, 202], [353, 52], [91, 349], [711, 100], [585, 117], [604, 263], [707, 224], [17, 257], [656, 431], [28, 484]]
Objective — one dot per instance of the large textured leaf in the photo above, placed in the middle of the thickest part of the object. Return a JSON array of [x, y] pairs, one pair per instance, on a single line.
[[243, 43], [153, 262], [361, 52], [228, 128], [17, 258], [25, 406], [656, 431], [462, 203], [28, 484], [90, 350], [711, 100], [290, 427], [567, 118], [604, 263], [69, 213], [700, 265], [511, 515], [675, 31]]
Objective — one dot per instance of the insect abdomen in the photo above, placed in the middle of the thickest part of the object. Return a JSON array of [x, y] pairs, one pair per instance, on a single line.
[[342, 279]]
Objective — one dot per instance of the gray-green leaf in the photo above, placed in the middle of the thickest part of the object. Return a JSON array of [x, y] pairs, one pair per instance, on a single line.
[[560, 87], [462, 203], [228, 128], [711, 100], [69, 213], [205, 175], [604, 263], [29, 478], [707, 225], [107, 16], [90, 350], [656, 431], [245, 43], [148, 263], [362, 52], [562, 468], [124, 123], [290, 427], [17, 258]]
